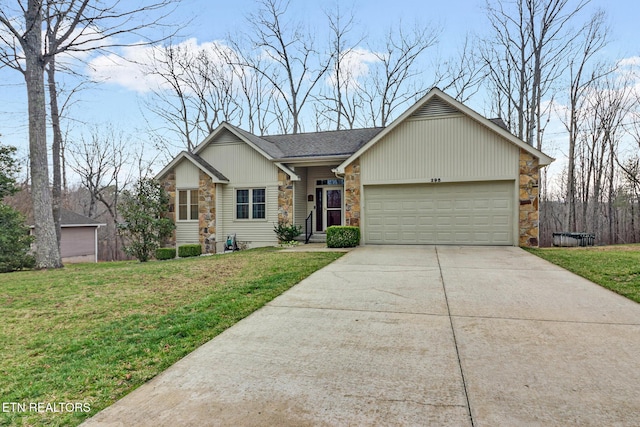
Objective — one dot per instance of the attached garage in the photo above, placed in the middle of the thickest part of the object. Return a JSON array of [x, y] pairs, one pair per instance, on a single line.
[[478, 213], [443, 174]]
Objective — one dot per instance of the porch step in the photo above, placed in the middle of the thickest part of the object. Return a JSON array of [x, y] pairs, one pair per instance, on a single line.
[[315, 238]]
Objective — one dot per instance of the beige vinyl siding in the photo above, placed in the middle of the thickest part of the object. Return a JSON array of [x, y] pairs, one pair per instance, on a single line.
[[255, 233], [246, 169], [449, 148], [187, 232], [300, 197], [240, 163], [187, 175]]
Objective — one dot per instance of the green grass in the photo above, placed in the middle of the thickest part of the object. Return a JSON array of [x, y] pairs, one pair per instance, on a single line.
[[614, 267], [91, 333]]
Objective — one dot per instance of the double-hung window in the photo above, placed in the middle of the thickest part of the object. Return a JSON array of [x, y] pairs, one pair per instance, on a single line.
[[187, 205], [251, 203]]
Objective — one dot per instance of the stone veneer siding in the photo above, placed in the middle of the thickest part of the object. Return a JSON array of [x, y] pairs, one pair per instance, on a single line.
[[352, 194], [207, 213], [285, 198], [529, 224], [169, 184]]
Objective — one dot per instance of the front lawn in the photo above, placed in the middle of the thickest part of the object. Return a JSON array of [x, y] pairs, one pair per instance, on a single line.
[[82, 337], [614, 267]]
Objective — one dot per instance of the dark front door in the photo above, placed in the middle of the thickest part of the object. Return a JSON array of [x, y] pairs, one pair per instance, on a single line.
[[319, 209]]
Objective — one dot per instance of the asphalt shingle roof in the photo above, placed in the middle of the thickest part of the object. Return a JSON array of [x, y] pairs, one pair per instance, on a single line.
[[72, 218], [331, 143], [312, 144], [202, 162]]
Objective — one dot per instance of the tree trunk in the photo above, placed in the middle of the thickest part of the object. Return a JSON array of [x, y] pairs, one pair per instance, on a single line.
[[56, 191], [46, 244]]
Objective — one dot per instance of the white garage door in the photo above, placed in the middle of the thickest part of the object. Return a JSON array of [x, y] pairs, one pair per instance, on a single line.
[[456, 214]]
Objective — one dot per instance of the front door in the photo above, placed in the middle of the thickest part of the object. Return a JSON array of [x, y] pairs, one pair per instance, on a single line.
[[328, 207]]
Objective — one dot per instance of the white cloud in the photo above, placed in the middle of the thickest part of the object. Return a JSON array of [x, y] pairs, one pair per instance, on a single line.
[[355, 64], [126, 69], [633, 61], [130, 67]]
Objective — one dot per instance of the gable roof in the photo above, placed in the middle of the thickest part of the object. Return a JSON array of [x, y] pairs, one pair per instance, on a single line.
[[199, 162], [322, 144], [496, 125], [291, 146], [73, 219], [70, 219]]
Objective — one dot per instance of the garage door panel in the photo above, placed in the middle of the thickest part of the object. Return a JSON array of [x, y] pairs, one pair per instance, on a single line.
[[409, 220], [426, 205], [460, 221], [376, 221], [460, 213], [481, 220]]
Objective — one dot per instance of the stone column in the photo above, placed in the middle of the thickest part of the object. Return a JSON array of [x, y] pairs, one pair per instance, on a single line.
[[352, 194], [529, 196], [169, 185], [207, 213], [285, 198]]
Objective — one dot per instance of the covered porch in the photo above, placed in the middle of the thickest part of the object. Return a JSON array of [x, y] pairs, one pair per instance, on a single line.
[[320, 199]]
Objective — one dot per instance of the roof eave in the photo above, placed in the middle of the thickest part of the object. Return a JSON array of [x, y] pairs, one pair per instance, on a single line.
[[294, 176], [310, 159], [185, 155]]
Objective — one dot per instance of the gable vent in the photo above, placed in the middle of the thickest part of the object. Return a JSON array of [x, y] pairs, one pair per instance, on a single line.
[[226, 137], [434, 108]]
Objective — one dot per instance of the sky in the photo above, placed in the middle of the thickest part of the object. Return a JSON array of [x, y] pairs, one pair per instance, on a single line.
[[118, 100]]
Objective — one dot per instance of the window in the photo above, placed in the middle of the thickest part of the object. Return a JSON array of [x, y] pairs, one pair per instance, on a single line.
[[338, 181], [251, 204], [187, 205]]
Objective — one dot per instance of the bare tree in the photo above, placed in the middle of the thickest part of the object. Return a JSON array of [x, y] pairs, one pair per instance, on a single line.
[[461, 75], [393, 80], [26, 42], [524, 56], [338, 101], [295, 66], [106, 163], [202, 86], [593, 38], [85, 26]]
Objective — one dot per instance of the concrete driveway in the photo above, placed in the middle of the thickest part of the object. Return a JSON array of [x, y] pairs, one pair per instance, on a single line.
[[399, 335]]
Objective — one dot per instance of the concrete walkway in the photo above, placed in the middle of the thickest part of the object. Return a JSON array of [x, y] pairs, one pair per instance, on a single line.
[[424, 336]]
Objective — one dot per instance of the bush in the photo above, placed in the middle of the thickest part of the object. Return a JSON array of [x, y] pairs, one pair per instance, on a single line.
[[144, 227], [343, 236], [185, 251], [15, 242], [165, 253], [286, 232]]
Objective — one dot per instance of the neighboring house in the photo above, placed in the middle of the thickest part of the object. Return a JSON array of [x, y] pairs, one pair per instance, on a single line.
[[439, 174], [78, 238]]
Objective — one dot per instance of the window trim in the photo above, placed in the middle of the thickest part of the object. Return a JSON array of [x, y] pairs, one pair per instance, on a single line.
[[250, 204], [189, 205]]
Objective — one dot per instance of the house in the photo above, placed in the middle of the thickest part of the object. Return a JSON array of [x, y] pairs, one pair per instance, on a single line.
[[78, 237], [439, 174]]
